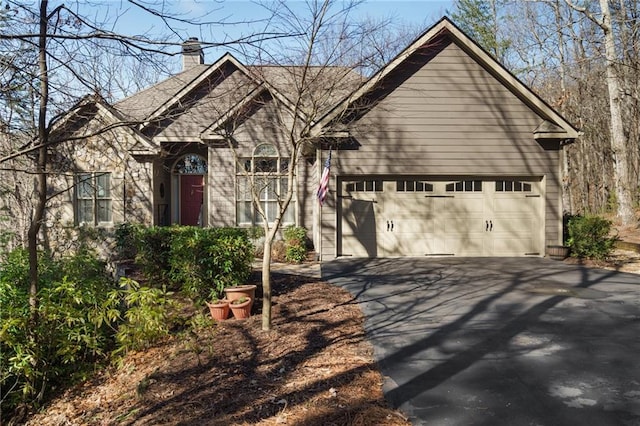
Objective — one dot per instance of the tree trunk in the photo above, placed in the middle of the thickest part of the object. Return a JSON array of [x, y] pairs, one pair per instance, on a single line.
[[566, 187], [618, 138], [41, 175], [266, 284]]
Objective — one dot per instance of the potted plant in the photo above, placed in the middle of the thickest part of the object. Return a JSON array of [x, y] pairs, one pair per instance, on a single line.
[[241, 307], [557, 252], [236, 292], [219, 309]]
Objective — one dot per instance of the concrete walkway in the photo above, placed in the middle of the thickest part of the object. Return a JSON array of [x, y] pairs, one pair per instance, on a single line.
[[524, 341]]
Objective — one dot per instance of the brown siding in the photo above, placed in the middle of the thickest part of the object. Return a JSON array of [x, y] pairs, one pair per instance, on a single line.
[[221, 185], [306, 195], [329, 221], [262, 127], [451, 117]]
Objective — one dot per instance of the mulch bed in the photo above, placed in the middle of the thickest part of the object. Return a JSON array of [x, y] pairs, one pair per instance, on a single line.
[[313, 368]]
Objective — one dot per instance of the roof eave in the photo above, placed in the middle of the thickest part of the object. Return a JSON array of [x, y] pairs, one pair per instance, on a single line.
[[474, 50], [226, 58]]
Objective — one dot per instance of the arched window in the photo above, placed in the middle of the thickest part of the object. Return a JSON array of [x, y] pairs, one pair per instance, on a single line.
[[191, 164], [266, 174]]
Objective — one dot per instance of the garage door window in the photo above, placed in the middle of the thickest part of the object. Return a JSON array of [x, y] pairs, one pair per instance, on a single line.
[[365, 186], [465, 186], [512, 186], [413, 186]]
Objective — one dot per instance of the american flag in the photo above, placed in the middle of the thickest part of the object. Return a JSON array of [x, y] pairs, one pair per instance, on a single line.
[[323, 189]]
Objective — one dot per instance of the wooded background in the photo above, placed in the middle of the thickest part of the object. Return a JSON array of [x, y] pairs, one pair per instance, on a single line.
[[582, 58]]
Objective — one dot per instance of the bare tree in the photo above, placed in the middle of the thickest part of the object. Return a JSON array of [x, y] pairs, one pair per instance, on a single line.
[[305, 76], [582, 57], [63, 43], [616, 94]]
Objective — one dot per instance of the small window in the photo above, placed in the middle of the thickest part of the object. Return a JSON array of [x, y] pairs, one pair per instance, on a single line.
[[465, 186], [365, 186], [265, 150], [192, 164], [93, 198], [512, 186], [413, 186]]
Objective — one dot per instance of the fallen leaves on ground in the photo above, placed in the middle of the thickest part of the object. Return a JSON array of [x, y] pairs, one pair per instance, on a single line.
[[313, 368]]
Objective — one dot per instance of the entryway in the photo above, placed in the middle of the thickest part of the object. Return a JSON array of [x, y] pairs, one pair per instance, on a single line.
[[189, 177]]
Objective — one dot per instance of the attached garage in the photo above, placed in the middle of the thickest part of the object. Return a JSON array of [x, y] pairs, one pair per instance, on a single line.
[[444, 153], [440, 217]]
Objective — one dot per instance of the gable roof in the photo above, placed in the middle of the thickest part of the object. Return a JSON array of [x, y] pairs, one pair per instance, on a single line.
[[212, 99], [92, 105], [325, 85], [142, 104], [209, 133], [562, 128], [218, 66], [154, 104], [185, 108]]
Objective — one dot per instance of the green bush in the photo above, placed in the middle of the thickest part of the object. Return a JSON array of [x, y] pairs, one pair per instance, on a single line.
[[589, 237], [82, 317], [126, 236], [153, 245], [200, 262], [295, 238], [203, 261], [145, 320], [68, 335]]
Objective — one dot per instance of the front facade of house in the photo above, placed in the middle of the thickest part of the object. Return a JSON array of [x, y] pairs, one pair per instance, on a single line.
[[441, 153]]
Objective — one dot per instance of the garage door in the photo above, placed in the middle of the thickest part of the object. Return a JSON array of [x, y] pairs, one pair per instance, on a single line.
[[427, 217]]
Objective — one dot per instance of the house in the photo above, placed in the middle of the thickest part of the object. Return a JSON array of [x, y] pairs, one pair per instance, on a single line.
[[442, 152]]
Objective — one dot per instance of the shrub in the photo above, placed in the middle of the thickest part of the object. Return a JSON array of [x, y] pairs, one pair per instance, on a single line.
[[255, 232], [589, 237], [295, 238], [68, 335], [278, 251], [82, 317], [229, 259], [126, 236], [197, 261], [145, 320], [153, 245]]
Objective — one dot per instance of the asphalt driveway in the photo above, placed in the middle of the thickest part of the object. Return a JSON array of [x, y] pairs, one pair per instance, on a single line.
[[516, 341]]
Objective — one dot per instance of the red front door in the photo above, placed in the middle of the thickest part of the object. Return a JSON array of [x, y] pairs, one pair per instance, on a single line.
[[191, 197]]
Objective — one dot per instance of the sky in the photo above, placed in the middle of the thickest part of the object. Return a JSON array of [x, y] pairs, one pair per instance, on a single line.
[[248, 15]]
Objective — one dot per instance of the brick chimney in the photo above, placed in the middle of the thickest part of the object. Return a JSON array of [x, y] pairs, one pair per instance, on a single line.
[[192, 53]]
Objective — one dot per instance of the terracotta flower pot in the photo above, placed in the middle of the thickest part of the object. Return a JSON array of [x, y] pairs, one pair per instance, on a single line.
[[233, 293], [241, 310], [220, 310]]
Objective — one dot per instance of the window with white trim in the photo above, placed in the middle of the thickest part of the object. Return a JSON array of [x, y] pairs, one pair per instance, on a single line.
[[93, 198], [266, 173]]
